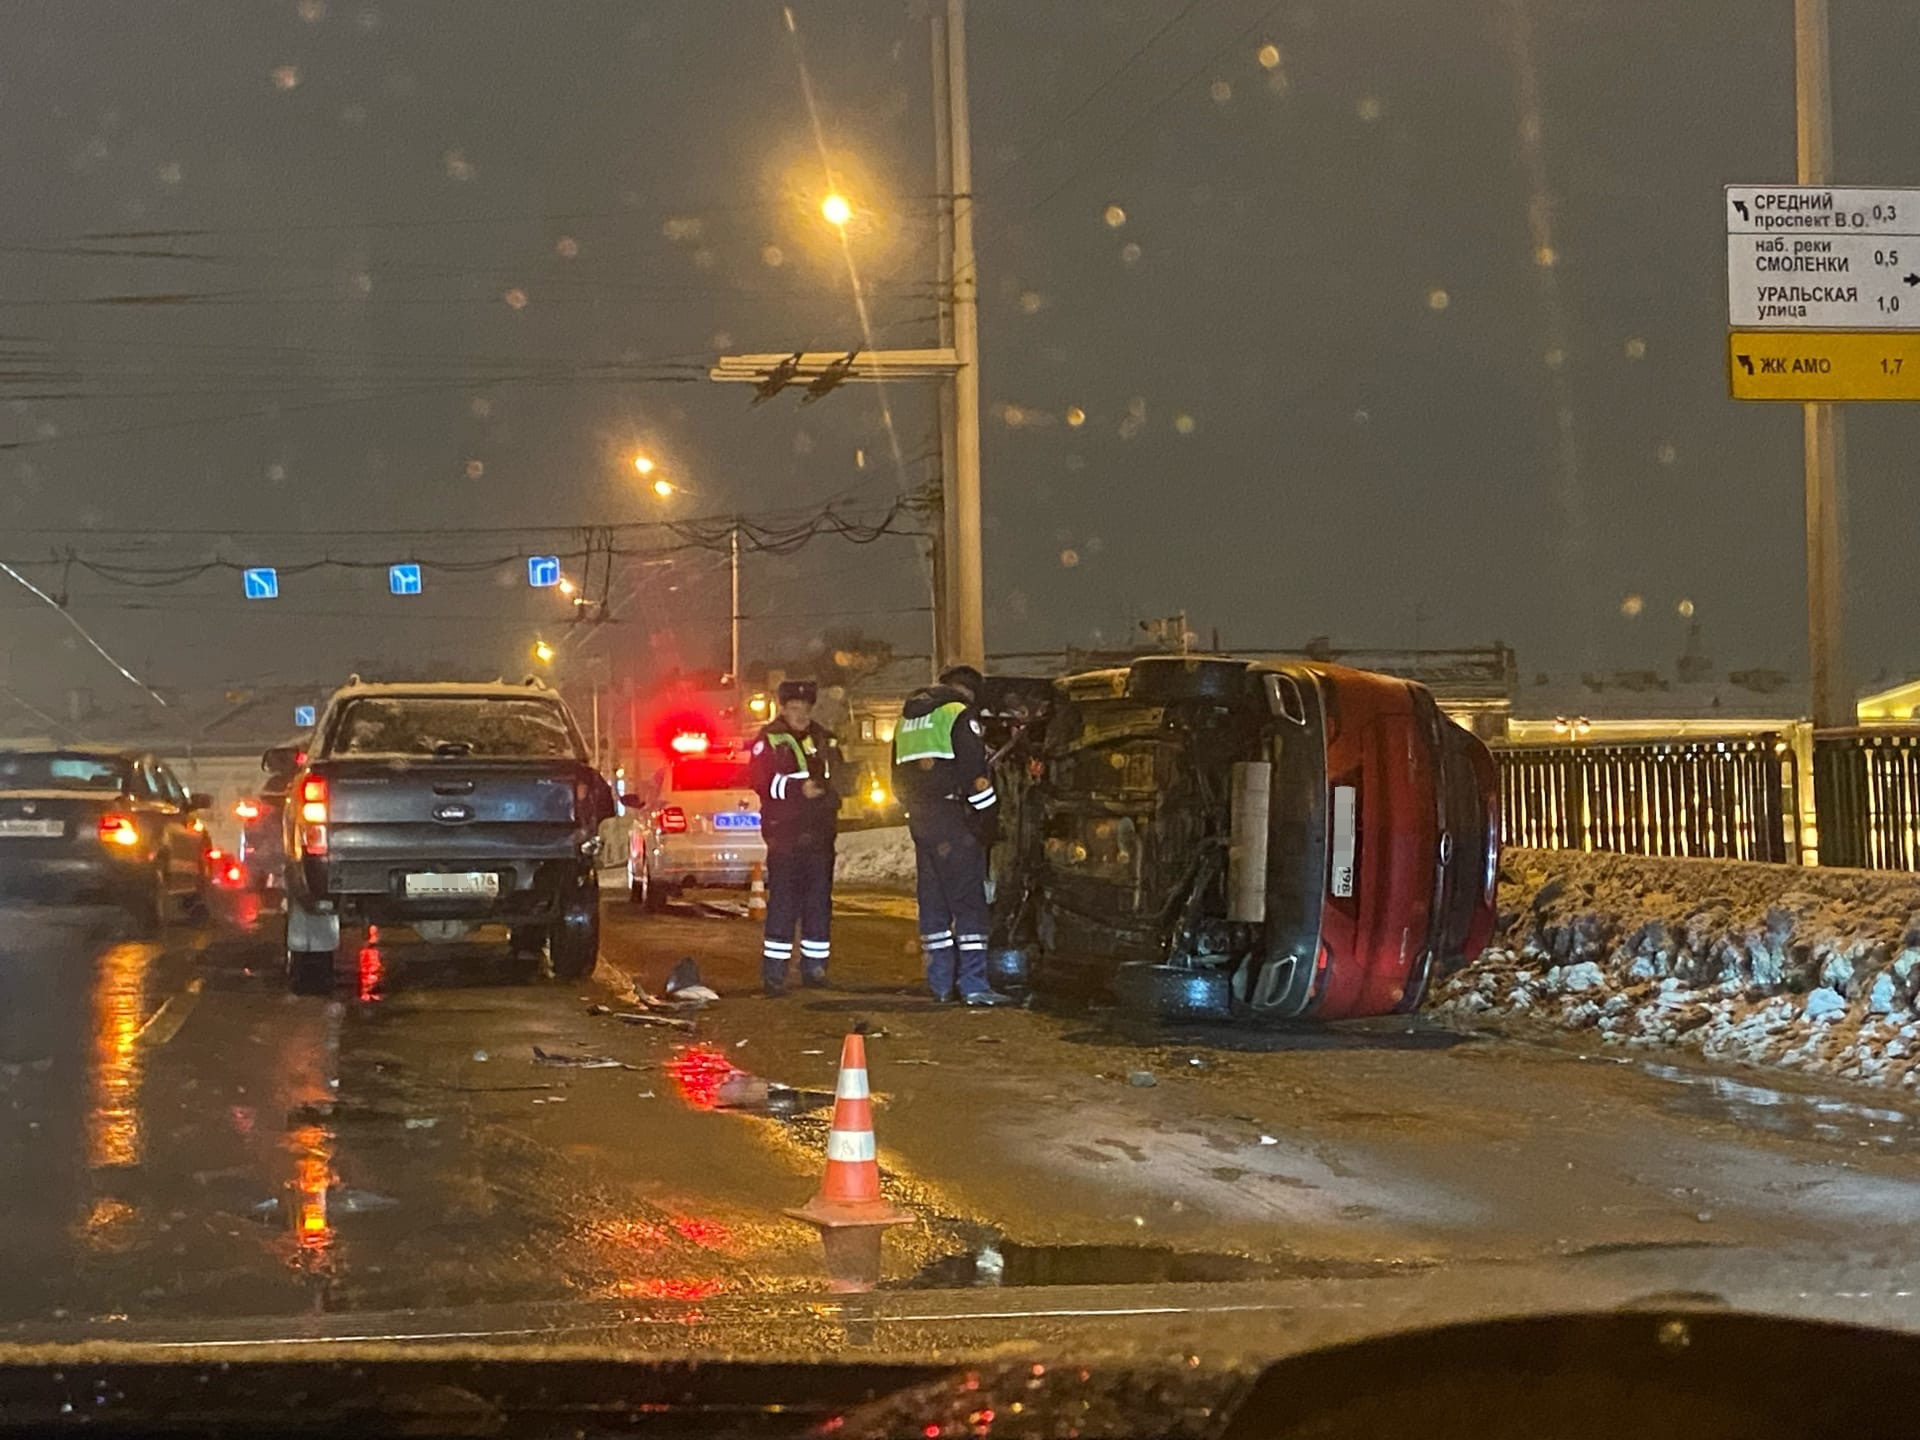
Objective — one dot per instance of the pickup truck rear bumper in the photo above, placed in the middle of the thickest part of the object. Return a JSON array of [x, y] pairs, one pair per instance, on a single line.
[[375, 891]]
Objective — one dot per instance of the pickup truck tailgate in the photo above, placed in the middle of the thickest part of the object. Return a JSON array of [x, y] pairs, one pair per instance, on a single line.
[[443, 812]]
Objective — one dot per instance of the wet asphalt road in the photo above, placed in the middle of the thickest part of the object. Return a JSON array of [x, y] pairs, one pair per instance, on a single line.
[[182, 1141]]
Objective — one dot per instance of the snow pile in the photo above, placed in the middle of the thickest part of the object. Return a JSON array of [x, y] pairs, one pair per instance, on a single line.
[[1816, 970], [882, 856]]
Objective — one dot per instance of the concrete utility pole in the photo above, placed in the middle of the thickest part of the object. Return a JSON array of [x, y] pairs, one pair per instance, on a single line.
[[966, 585], [959, 589], [1832, 693]]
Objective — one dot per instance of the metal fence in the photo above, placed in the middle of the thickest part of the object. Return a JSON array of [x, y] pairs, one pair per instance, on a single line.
[[1866, 790], [1731, 799]]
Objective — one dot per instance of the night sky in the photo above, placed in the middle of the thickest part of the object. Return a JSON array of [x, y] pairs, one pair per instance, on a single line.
[[1313, 296]]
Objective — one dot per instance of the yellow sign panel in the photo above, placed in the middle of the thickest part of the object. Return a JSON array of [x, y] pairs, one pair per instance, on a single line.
[[1824, 365]]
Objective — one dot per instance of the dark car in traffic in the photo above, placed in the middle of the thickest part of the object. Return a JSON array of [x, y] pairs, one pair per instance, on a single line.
[[445, 807], [262, 855], [82, 825], [1213, 837]]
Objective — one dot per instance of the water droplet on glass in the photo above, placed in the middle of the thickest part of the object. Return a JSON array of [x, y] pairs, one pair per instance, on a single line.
[[1130, 254], [312, 11], [1269, 57], [566, 247], [1137, 407], [1032, 302], [277, 473], [1221, 91], [516, 298], [458, 166], [1370, 108], [1438, 299], [1685, 609], [475, 469], [1555, 358], [1632, 606], [171, 173], [1546, 257], [1069, 558], [1667, 453], [1076, 417], [1636, 349], [1183, 424], [1674, 1334], [1115, 217], [285, 77], [480, 407], [773, 256]]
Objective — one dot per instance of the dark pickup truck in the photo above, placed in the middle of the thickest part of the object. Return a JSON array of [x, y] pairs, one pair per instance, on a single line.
[[445, 807]]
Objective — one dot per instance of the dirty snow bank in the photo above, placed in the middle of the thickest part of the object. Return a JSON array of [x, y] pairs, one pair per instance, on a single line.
[[1814, 970], [882, 856]]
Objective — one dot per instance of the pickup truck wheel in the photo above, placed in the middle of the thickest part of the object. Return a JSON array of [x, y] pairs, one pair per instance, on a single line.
[[573, 945], [310, 972]]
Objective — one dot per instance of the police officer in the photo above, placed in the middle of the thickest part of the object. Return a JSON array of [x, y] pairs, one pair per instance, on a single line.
[[795, 767], [941, 775]]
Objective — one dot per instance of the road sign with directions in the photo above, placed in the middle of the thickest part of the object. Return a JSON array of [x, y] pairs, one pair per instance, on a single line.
[[1809, 366], [543, 571], [262, 583], [304, 716], [1821, 210], [404, 579], [1824, 282]]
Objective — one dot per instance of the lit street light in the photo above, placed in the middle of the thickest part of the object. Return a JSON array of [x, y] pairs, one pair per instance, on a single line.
[[567, 587], [644, 464], [837, 209], [663, 487], [543, 652]]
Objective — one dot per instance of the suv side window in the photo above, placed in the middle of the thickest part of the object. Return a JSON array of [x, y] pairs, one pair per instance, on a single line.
[[170, 785], [145, 785]]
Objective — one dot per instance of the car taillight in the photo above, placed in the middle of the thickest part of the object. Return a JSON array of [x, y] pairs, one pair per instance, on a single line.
[[118, 829], [672, 820], [247, 810], [313, 816], [689, 742]]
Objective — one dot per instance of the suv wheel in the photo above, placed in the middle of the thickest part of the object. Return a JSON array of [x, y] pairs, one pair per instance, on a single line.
[[573, 945]]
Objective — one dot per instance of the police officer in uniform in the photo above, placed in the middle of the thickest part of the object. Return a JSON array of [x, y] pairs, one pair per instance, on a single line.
[[941, 774], [795, 767]]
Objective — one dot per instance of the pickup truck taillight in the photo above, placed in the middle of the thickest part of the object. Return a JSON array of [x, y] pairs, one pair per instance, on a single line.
[[672, 820], [313, 816]]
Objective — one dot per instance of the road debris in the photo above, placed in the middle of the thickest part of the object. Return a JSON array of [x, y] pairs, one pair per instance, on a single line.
[[659, 1022], [579, 1062], [1143, 1079], [422, 1122]]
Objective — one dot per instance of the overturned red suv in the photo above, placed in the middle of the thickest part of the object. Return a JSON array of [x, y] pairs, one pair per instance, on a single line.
[[1204, 837]]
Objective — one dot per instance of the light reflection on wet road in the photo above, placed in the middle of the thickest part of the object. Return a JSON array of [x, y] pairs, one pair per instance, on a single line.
[[179, 1138]]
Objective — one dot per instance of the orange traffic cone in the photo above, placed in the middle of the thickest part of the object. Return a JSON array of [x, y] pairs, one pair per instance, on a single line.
[[757, 894], [849, 1210]]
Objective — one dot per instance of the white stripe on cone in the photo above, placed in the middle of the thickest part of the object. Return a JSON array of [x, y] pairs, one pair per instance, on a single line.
[[852, 1086], [850, 1145]]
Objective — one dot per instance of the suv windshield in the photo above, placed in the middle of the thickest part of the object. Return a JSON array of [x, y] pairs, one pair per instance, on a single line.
[[481, 728], [61, 772]]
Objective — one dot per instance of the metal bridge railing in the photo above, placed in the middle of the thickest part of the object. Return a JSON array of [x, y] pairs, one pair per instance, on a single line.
[[1866, 789], [1735, 798]]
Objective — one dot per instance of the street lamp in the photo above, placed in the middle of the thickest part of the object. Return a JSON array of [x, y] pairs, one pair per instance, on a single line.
[[644, 464], [566, 586], [663, 487], [543, 652], [837, 210]]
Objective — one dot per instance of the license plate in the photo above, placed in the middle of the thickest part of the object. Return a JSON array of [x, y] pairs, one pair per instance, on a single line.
[[736, 820], [33, 829], [470, 882], [1343, 838]]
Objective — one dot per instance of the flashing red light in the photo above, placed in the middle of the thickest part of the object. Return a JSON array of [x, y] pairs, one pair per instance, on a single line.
[[672, 820], [699, 1073], [235, 874], [689, 742]]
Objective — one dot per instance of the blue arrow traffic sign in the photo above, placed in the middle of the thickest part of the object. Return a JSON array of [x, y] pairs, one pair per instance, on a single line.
[[543, 571], [304, 717], [262, 584], [403, 579]]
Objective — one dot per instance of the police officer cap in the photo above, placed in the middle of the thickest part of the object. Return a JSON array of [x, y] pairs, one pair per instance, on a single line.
[[963, 677], [799, 690]]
